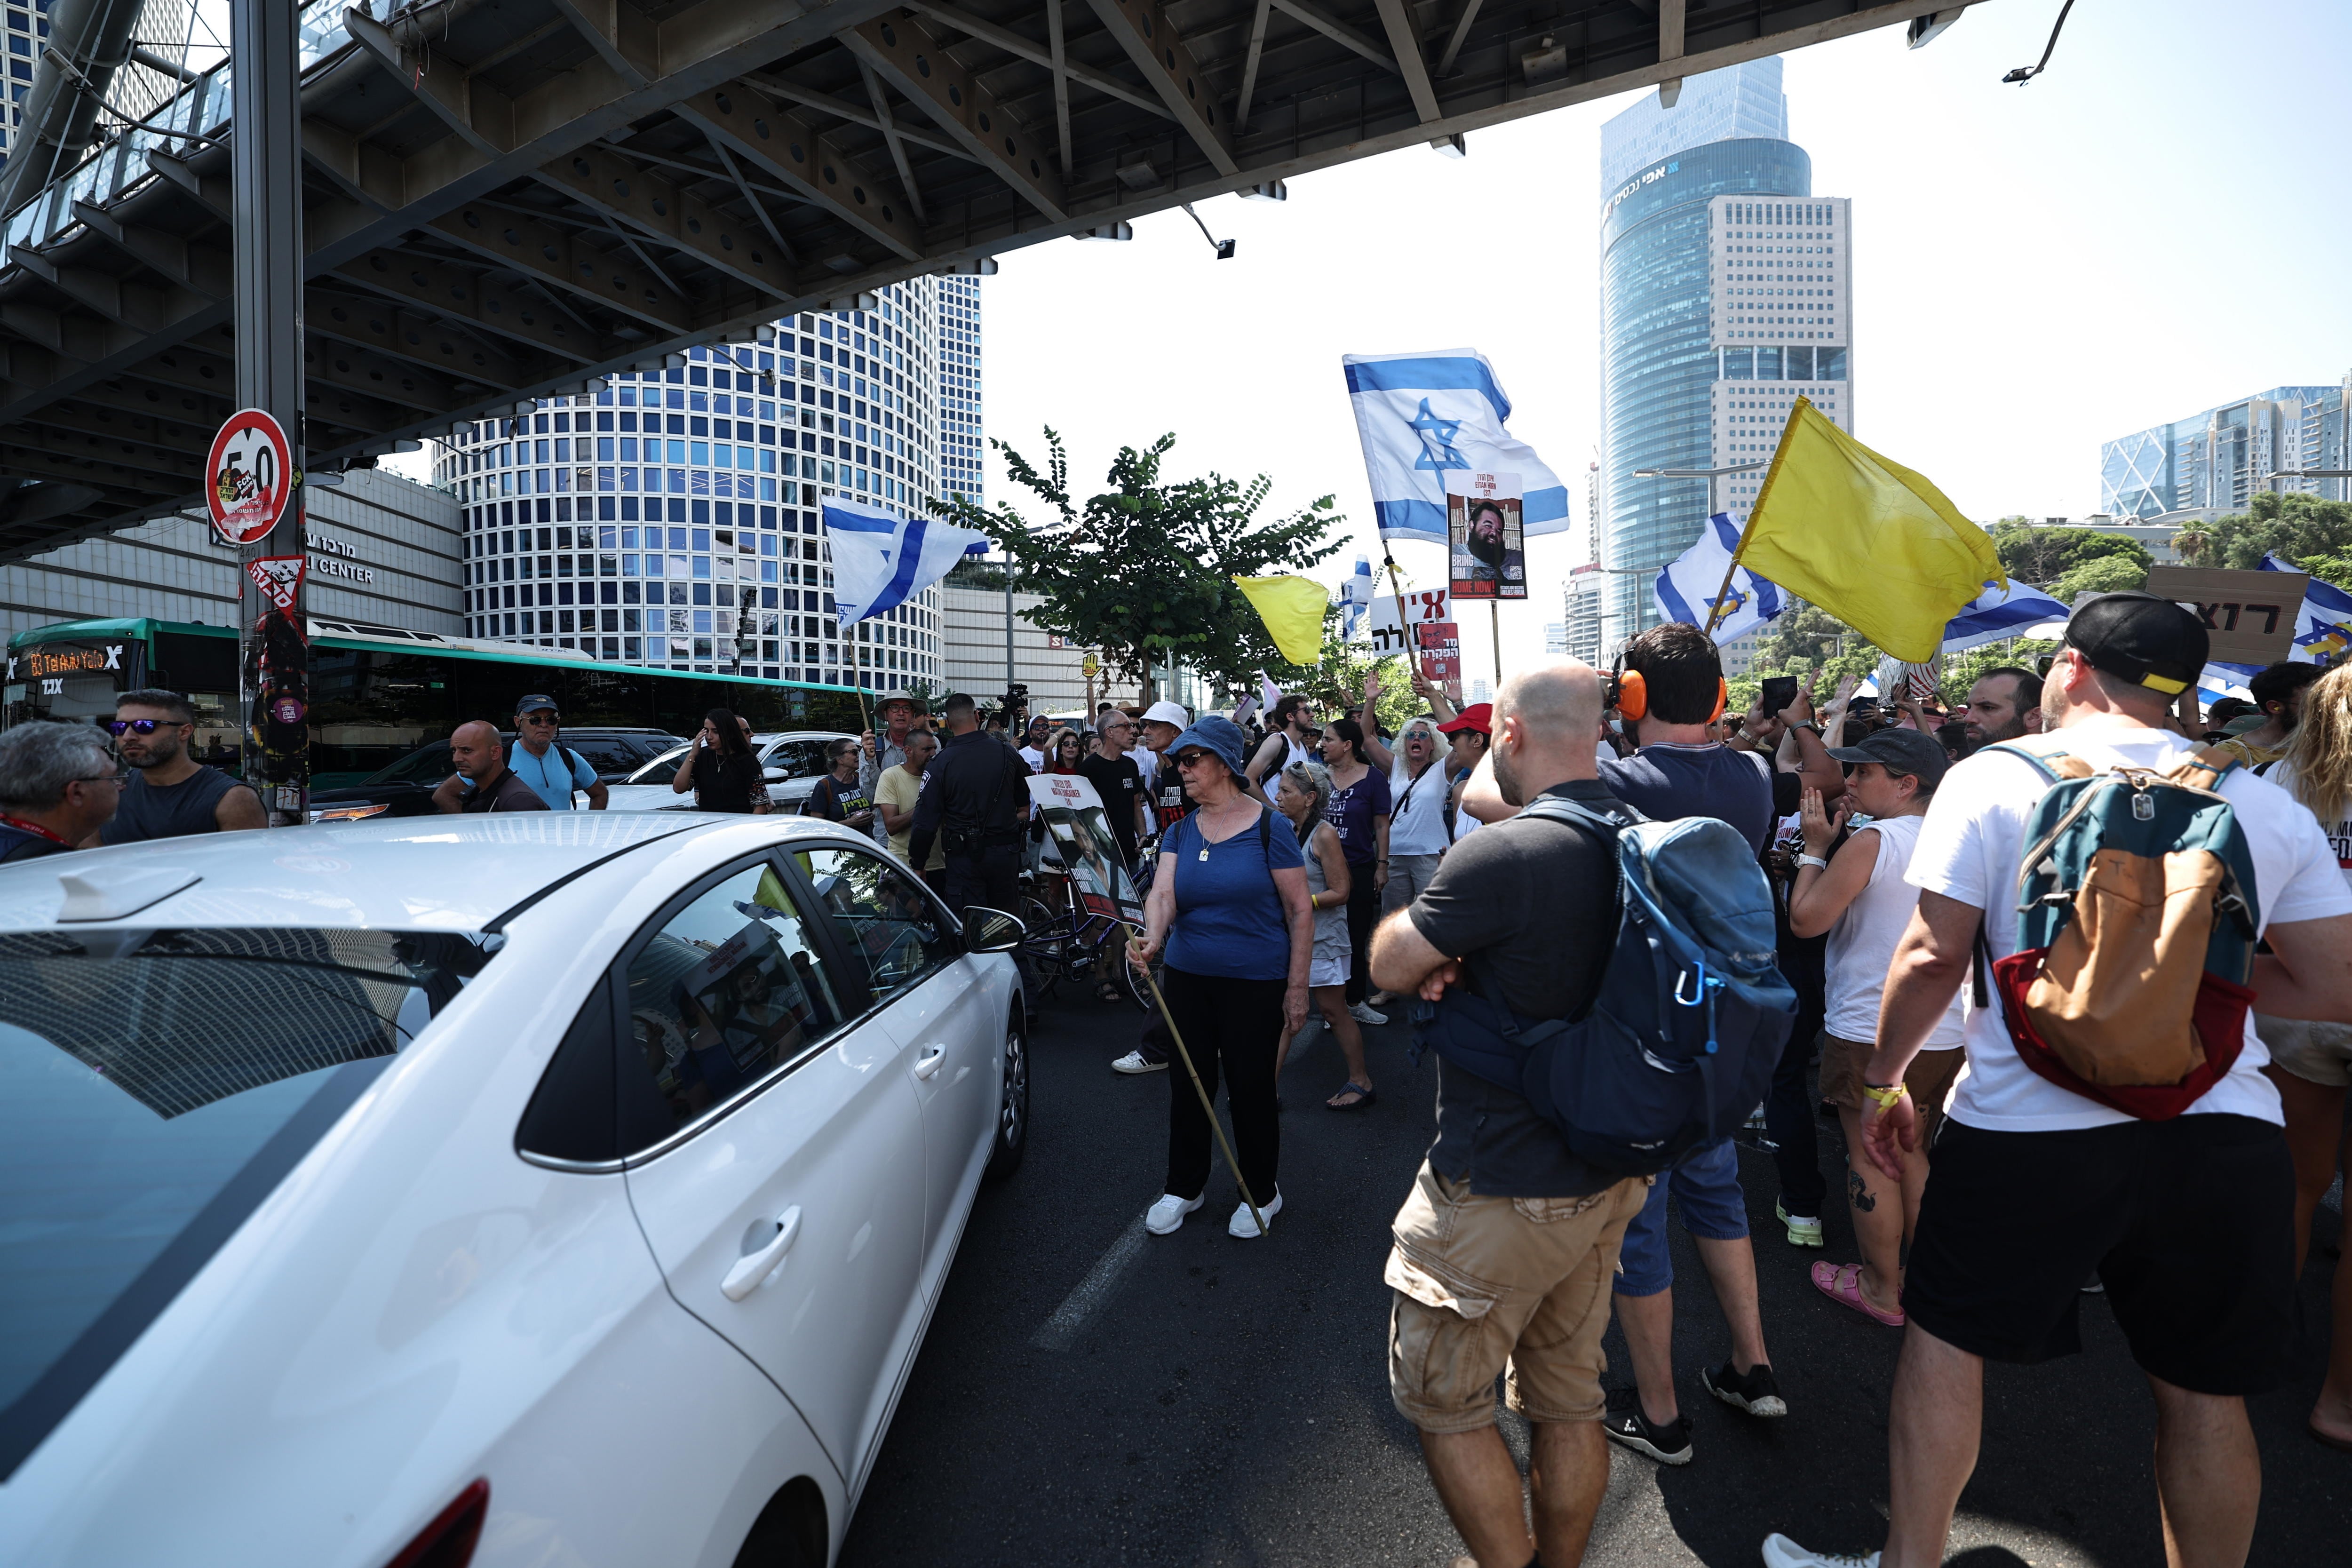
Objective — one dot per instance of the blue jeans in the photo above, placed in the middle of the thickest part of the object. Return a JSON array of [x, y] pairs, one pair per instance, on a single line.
[[1705, 1187]]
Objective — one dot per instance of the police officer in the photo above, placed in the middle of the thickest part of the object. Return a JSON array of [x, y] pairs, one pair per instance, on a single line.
[[975, 800]]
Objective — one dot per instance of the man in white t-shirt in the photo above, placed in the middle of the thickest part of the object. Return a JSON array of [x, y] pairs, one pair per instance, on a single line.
[[2187, 1221]]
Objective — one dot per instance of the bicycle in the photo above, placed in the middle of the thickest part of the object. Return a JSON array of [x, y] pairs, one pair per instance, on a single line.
[[1074, 941]]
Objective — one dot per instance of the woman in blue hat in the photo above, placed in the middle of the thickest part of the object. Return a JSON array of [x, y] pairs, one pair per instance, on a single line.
[[1229, 910]]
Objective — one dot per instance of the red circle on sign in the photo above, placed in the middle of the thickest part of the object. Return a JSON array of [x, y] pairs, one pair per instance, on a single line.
[[249, 475]]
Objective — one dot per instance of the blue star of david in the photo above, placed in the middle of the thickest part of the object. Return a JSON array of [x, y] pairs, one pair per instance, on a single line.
[[1437, 440]]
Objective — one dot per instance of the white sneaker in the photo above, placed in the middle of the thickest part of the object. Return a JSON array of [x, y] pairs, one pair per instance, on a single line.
[[1136, 1061], [1243, 1225], [1164, 1216], [1780, 1551], [1363, 1013]]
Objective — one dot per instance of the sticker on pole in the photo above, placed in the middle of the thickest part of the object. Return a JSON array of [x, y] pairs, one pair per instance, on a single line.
[[279, 577], [252, 470]]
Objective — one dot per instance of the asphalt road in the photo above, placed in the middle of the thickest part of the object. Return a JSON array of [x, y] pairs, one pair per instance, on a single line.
[[1226, 1401]]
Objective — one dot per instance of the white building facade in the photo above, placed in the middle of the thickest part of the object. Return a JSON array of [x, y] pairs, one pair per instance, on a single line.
[[674, 517], [1780, 273]]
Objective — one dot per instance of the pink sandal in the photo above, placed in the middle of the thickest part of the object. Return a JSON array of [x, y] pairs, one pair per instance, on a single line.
[[1841, 1283]]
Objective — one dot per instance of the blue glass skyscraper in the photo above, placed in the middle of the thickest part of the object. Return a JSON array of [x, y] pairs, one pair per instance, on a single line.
[[1723, 296]]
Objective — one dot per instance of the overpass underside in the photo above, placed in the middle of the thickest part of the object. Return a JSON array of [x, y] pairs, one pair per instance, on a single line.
[[505, 198]]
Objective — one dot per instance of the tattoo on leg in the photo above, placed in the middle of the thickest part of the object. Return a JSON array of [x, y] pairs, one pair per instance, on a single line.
[[1857, 1193]]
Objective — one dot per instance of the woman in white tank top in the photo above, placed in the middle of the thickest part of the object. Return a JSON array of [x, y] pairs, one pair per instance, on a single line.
[[1859, 896]]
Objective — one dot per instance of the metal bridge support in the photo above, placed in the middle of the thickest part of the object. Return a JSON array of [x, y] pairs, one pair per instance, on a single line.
[[265, 150]]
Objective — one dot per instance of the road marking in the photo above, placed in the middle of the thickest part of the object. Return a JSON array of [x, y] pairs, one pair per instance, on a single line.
[[1060, 1330]]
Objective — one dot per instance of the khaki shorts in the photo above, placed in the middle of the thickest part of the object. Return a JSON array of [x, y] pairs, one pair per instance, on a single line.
[[1929, 1078], [2317, 1053], [1483, 1284]]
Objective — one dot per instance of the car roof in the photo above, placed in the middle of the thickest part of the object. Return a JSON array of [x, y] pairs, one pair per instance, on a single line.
[[411, 873]]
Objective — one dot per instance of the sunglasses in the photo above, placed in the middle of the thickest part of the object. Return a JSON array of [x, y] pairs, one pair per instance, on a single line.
[[1191, 759], [139, 726], [543, 719], [119, 780]]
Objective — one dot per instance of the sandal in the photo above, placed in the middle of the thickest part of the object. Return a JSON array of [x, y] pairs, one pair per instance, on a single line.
[[1107, 992], [1841, 1283], [1364, 1097]]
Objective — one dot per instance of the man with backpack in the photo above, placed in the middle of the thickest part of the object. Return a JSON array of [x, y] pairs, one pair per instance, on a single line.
[[1504, 1249], [556, 771], [2114, 1116]]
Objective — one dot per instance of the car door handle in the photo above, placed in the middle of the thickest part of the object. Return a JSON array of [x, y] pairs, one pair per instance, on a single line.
[[931, 1061], [750, 1272]]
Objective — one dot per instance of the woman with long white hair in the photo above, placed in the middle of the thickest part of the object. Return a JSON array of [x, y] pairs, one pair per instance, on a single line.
[[2311, 1063]]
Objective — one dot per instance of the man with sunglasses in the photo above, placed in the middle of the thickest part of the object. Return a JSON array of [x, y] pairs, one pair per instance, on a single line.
[[58, 788], [556, 772], [171, 795]]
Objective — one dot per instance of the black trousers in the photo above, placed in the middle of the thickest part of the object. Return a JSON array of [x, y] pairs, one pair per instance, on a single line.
[[1363, 914], [1231, 1028], [989, 876], [1789, 1109]]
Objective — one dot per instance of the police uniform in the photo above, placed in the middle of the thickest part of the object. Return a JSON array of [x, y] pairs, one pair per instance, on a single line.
[[973, 793]]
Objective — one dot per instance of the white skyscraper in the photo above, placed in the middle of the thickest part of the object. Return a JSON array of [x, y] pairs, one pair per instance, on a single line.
[[1780, 279]]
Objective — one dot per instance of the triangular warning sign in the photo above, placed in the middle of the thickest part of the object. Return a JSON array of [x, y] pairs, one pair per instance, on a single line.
[[279, 577]]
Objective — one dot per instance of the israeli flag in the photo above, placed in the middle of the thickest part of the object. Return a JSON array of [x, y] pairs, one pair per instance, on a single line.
[[1360, 599], [2323, 628], [2216, 681], [881, 560], [1686, 590], [1998, 612], [1422, 414]]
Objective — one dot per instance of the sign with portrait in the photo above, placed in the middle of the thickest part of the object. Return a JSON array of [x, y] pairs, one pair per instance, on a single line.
[[1080, 837], [1486, 544], [1440, 657]]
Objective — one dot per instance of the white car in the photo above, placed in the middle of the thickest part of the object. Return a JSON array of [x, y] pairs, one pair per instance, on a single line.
[[793, 762], [531, 1189]]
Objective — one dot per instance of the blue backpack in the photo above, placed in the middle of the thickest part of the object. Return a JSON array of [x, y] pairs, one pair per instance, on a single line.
[[1679, 1045]]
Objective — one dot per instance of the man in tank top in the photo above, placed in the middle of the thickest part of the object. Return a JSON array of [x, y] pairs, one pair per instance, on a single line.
[[1290, 737], [171, 795]]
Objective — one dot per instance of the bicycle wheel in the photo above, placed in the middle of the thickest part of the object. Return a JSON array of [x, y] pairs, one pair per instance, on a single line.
[[1046, 946]]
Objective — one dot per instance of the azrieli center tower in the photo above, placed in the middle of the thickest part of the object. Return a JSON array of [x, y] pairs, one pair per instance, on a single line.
[[1725, 295]]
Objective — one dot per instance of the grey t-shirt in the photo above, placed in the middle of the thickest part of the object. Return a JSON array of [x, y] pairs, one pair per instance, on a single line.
[[1531, 905]]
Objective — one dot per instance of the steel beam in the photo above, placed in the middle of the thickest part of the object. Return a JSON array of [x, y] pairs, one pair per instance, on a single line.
[[1013, 43], [1404, 41], [920, 67], [566, 259], [790, 150], [658, 206], [464, 294], [1149, 39]]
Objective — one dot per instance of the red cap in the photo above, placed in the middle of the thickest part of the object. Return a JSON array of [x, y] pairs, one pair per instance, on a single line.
[[1479, 717]]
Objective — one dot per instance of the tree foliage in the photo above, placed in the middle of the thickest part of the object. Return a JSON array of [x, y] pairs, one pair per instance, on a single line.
[[2100, 574], [1337, 681], [2043, 555], [2314, 534], [1144, 570]]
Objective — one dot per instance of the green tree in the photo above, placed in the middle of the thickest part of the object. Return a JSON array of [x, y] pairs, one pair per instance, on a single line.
[[1144, 570], [2044, 556], [2298, 528], [1963, 669], [1337, 681], [2100, 574]]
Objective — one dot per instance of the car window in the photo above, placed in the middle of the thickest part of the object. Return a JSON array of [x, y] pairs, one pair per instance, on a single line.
[[426, 764], [731, 987], [889, 924], [155, 1086], [799, 759], [606, 754], [662, 769]]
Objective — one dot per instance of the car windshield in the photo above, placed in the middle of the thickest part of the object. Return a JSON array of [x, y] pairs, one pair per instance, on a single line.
[[155, 1085], [662, 769]]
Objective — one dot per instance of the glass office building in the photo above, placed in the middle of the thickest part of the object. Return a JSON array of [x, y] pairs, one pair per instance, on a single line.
[[2218, 459], [674, 516], [1723, 295]]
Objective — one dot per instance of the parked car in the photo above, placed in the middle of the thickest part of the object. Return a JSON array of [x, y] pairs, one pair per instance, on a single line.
[[504, 1190], [406, 787], [793, 760]]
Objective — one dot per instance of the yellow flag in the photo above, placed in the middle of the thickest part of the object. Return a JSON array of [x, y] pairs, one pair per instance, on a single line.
[[1872, 542], [1292, 609]]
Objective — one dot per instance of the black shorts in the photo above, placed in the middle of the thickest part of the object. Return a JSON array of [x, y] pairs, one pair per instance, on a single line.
[[2189, 1222]]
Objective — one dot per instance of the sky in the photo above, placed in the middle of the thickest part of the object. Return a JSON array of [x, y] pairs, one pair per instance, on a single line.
[[2145, 231]]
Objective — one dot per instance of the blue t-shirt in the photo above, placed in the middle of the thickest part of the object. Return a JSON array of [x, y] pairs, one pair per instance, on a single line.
[[1666, 780], [1351, 812], [554, 776], [1229, 920]]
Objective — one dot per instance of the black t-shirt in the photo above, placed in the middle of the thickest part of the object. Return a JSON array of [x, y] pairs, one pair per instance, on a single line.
[[1531, 905], [835, 801], [1120, 783]]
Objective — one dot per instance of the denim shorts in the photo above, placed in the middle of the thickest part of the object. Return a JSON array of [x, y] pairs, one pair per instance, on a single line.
[[1705, 1188]]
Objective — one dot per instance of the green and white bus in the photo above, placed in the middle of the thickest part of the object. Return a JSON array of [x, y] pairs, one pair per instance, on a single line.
[[378, 692]]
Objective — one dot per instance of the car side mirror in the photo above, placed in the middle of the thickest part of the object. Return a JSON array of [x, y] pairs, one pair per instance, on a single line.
[[992, 930], [775, 775]]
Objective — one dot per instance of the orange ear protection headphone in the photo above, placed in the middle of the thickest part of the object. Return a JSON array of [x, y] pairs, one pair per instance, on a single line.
[[1630, 694]]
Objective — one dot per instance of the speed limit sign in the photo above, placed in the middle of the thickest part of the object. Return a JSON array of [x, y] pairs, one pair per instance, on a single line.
[[250, 476]]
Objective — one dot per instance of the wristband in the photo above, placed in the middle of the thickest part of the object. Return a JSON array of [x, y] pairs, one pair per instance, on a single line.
[[1812, 860], [1886, 1094]]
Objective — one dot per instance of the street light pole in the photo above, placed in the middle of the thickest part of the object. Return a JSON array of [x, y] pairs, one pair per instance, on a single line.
[[266, 167]]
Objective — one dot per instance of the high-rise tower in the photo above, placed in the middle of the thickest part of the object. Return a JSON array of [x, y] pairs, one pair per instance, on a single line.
[[1724, 292]]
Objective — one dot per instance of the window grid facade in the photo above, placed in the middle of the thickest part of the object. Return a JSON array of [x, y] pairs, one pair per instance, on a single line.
[[2220, 459], [674, 518]]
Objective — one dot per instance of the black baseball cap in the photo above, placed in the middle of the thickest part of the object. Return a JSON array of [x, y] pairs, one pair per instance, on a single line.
[[2141, 639], [1900, 750], [537, 702]]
